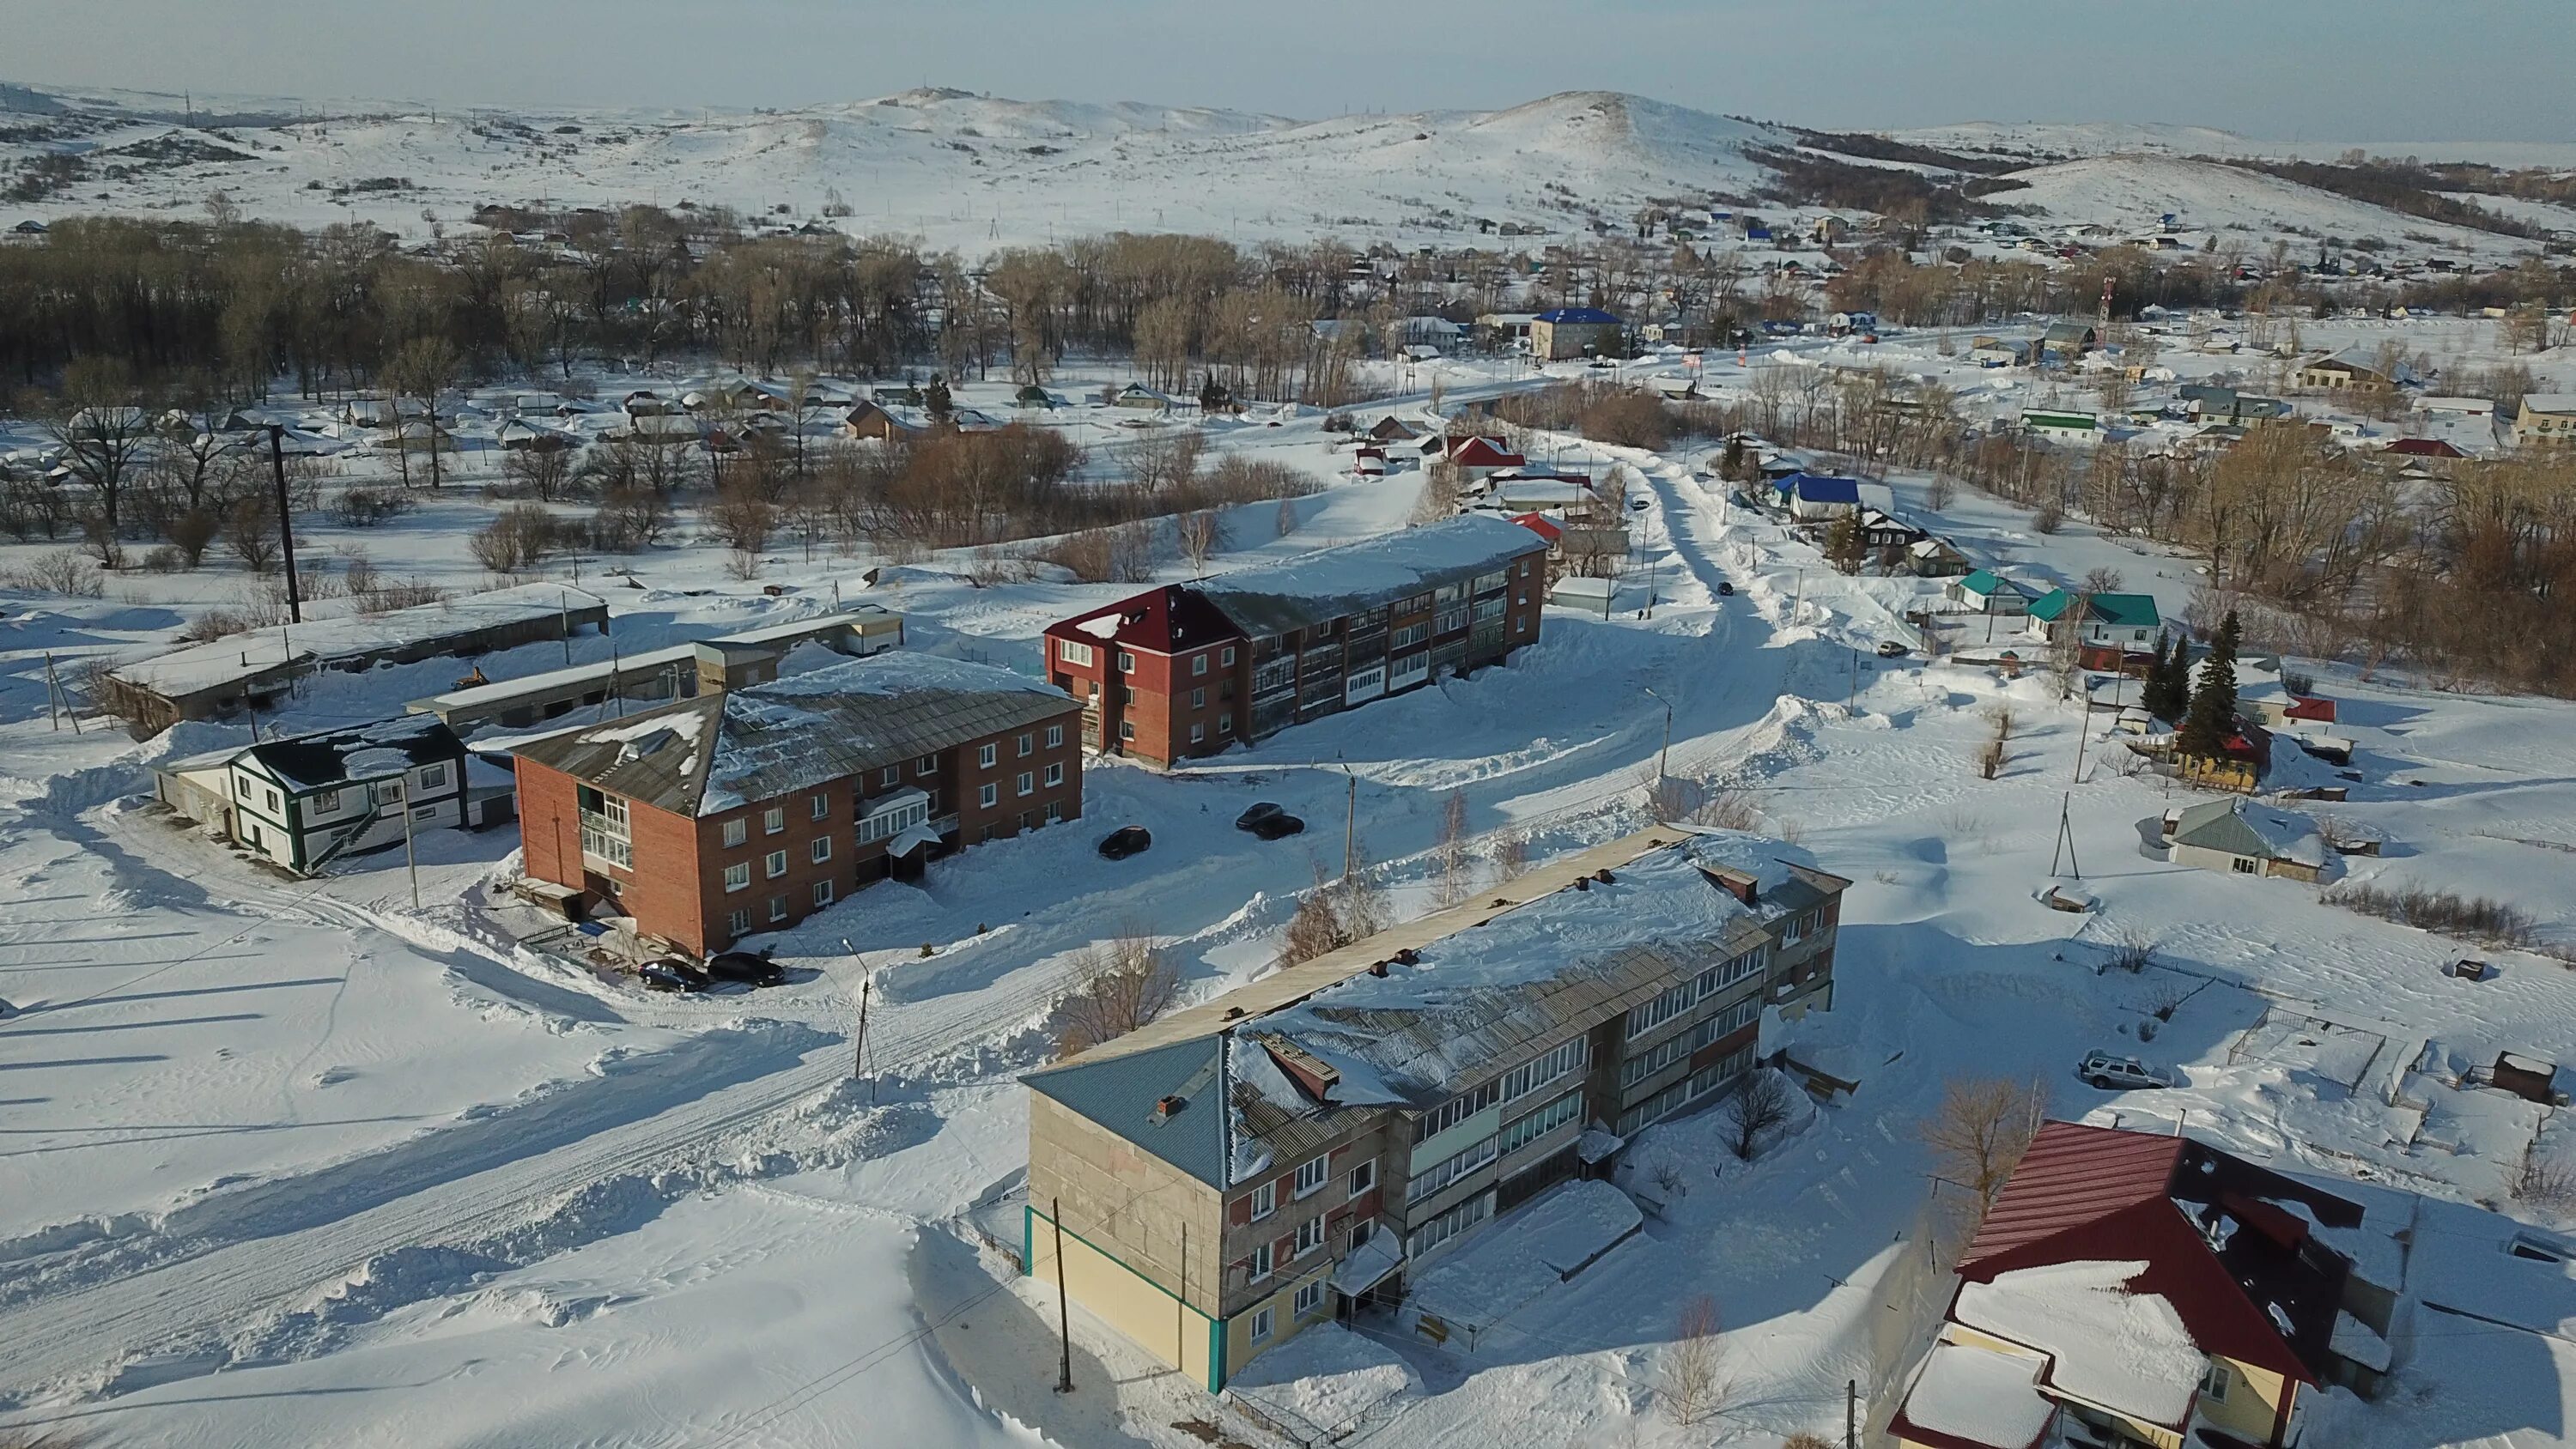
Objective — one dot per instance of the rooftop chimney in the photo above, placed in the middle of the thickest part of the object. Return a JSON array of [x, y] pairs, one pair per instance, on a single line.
[[1735, 883]]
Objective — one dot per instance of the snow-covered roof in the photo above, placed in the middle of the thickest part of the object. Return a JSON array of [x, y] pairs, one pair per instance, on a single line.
[[1980, 1395], [2126, 1351], [799, 731], [2550, 402], [1332, 582], [2242, 827], [378, 750], [248, 655]]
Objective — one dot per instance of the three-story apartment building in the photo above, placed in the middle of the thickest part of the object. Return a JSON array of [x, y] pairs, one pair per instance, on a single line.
[[1260, 1162], [713, 818], [1188, 669]]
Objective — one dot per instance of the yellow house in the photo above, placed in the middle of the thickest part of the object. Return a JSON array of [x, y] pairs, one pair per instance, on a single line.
[[2144, 1289], [2546, 419]]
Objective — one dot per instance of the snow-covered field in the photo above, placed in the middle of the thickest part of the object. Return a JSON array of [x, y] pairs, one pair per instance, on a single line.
[[289, 1161]]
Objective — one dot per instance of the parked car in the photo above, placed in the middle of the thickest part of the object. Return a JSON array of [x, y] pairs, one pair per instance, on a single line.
[[744, 966], [2121, 1074], [1279, 826], [672, 975], [1125, 841], [1636, 505], [1725, 590], [1251, 819], [1890, 649]]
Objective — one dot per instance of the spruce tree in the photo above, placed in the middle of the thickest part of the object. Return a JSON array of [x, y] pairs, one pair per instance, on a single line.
[[935, 399], [1843, 545], [2211, 717], [2162, 698]]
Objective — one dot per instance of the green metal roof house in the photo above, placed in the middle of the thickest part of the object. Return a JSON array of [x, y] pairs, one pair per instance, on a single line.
[[2122, 619]]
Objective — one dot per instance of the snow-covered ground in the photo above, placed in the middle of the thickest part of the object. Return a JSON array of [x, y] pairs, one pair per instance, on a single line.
[[293, 1161]]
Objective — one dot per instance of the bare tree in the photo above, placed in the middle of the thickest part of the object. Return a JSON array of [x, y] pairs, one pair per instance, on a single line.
[[1758, 1106], [741, 518], [1127, 981], [1980, 1131], [103, 436], [423, 368], [542, 473], [1456, 883], [1511, 855], [1693, 1365], [1201, 533]]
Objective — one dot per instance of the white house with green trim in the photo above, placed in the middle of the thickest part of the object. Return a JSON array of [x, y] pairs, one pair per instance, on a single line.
[[2060, 426], [306, 800], [2125, 621]]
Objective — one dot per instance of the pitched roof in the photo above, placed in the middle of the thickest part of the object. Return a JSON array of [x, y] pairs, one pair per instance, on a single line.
[[1167, 620], [1987, 581], [1332, 582], [715, 753], [1484, 453], [2425, 448], [2249, 1284], [2240, 827], [378, 750], [1127, 1095], [2120, 611], [1813, 488]]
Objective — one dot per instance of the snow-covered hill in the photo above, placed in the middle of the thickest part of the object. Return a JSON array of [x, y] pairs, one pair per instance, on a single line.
[[974, 173], [2053, 140]]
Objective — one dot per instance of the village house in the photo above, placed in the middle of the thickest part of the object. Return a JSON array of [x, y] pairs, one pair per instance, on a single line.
[[305, 800], [2127, 622], [1188, 669], [1983, 591], [706, 820], [2133, 1288], [2546, 420], [1562, 332], [1817, 498], [2244, 838], [1475, 459], [2342, 373], [2058, 426], [1306, 1144]]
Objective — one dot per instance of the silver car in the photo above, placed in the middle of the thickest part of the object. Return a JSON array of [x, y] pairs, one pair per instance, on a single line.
[[2120, 1074]]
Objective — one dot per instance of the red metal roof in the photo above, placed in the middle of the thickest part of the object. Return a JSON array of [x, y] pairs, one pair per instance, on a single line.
[[2098, 1194], [1165, 620], [2425, 448], [1540, 524], [1483, 453]]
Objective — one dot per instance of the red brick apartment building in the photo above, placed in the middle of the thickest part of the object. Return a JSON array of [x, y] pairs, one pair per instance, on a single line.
[[713, 818], [1188, 669]]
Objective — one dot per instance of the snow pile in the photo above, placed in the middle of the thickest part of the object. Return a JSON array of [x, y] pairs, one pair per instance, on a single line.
[[1983, 1395], [1539, 1247]]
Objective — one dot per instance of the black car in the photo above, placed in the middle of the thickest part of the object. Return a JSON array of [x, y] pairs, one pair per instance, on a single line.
[[743, 966], [1125, 841], [671, 976], [1251, 819], [1278, 825], [1725, 589]]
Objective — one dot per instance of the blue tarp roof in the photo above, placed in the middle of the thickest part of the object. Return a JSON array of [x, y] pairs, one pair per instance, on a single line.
[[1575, 314], [1816, 489]]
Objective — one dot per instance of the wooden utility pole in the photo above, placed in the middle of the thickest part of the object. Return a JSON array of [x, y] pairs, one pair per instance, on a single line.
[[411, 862], [2065, 837], [1851, 1414], [1063, 1302], [285, 520]]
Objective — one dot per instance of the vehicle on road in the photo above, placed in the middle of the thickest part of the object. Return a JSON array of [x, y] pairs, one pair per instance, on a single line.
[[1251, 819], [747, 967], [672, 975], [1279, 826], [1890, 649], [2120, 1074], [1125, 841], [1725, 590]]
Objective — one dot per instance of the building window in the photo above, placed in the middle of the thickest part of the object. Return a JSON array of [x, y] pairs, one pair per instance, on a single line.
[[1054, 775], [1126, 662], [822, 807], [739, 923], [776, 864], [1228, 658], [773, 820], [1055, 811], [1310, 1296], [1126, 696], [2213, 1384], [1055, 736], [1198, 733], [395, 794], [778, 908], [1528, 1077], [1449, 1224], [821, 850], [1028, 744], [822, 893], [1225, 724], [737, 875], [1526, 1130], [890, 776], [736, 831], [326, 802], [1265, 1200], [2242, 865], [989, 796], [1440, 1174], [1262, 1318], [1198, 665], [1310, 1236], [1363, 1177], [1258, 1267], [1072, 653], [986, 754], [926, 765], [1198, 699], [433, 777], [1456, 1110], [1028, 782], [1126, 729], [604, 827], [1311, 1174]]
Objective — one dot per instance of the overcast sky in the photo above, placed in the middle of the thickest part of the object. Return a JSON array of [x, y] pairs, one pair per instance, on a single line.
[[2342, 70]]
